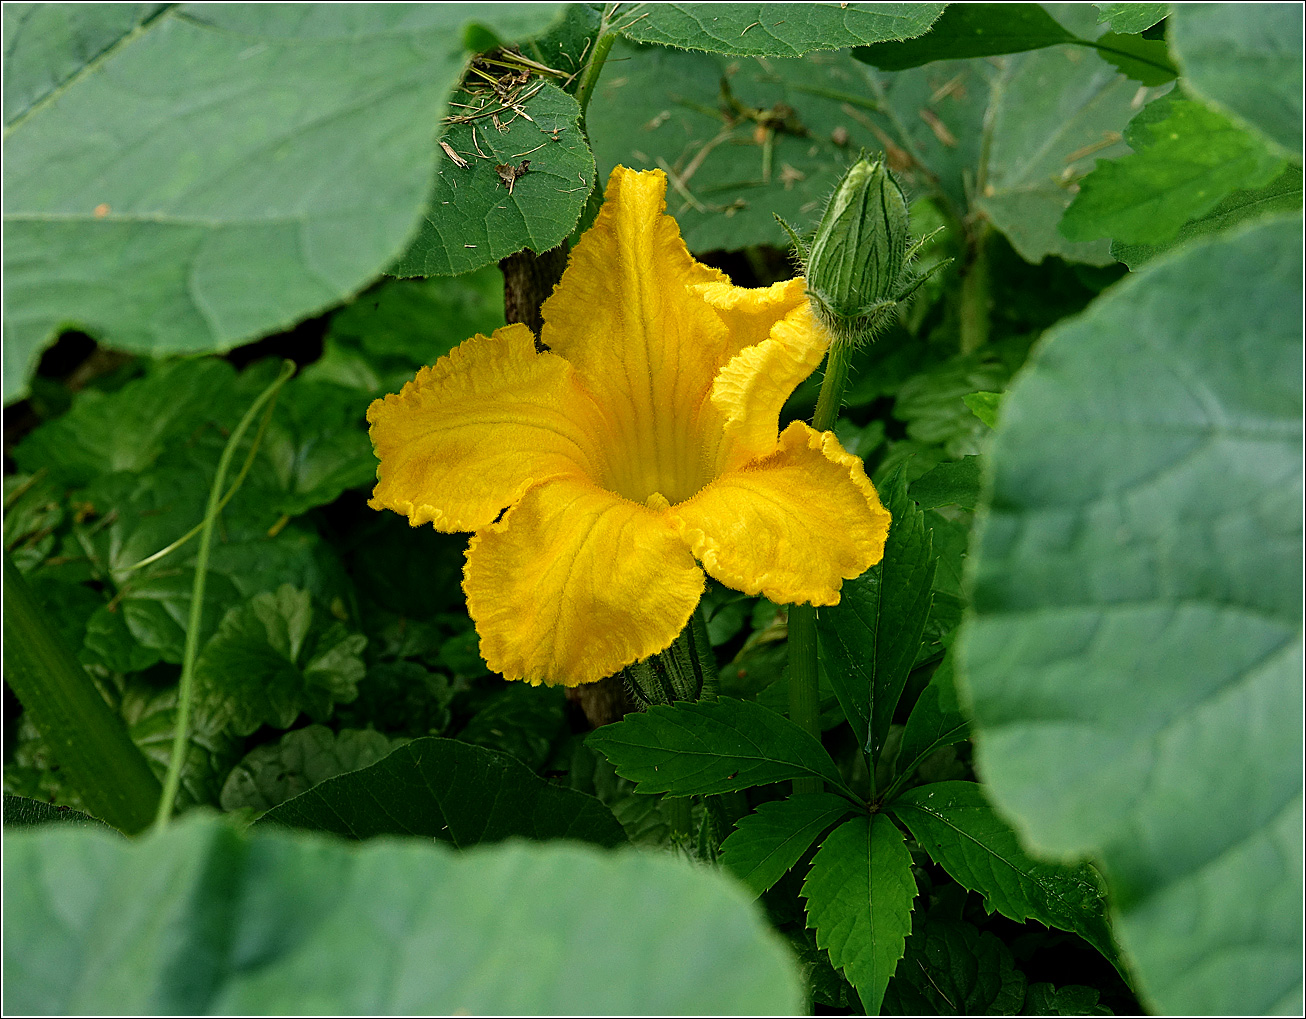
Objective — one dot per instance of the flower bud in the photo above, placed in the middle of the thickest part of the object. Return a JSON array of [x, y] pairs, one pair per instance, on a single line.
[[856, 268]]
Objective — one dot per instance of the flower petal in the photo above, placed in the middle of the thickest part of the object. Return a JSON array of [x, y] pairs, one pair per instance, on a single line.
[[643, 341], [574, 583], [471, 433], [753, 387], [791, 526]]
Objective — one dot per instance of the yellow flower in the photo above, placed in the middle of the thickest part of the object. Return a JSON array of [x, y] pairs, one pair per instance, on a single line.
[[643, 439]]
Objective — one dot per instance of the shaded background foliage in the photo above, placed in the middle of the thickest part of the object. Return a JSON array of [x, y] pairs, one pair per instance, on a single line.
[[1121, 531]]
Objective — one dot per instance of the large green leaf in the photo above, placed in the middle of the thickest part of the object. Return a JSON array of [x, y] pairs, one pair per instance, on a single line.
[[1186, 159], [971, 30], [448, 790], [474, 218], [1282, 195], [774, 30], [711, 747], [1053, 113], [1134, 656], [870, 639], [953, 822], [1246, 61], [982, 30], [47, 44], [766, 843], [859, 898], [223, 171], [778, 145], [202, 920]]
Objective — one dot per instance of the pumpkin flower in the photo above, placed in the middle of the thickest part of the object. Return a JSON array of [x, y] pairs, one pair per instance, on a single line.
[[603, 476]]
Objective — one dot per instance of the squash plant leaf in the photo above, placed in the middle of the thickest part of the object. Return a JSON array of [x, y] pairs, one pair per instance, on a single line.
[[1134, 653], [203, 920], [218, 172], [769, 30]]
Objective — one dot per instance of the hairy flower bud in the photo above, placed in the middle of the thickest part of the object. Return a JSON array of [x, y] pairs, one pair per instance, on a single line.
[[857, 265]]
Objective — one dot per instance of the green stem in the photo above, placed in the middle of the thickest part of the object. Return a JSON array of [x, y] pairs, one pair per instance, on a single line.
[[88, 739], [590, 77], [179, 742], [679, 813], [231, 492], [804, 679], [975, 296]]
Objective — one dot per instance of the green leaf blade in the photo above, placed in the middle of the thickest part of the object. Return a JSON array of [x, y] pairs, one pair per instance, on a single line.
[[954, 823], [776, 31], [1246, 62], [871, 638], [190, 194], [1186, 159], [970, 30], [1137, 621], [859, 898], [768, 842], [447, 790], [474, 219], [709, 747], [202, 919]]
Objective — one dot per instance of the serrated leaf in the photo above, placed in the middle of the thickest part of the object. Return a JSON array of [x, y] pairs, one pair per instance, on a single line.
[[21, 812], [711, 747], [109, 643], [870, 639], [1246, 62], [731, 173], [1073, 999], [774, 31], [191, 194], [448, 790], [954, 823], [1282, 195], [1186, 159], [955, 483], [936, 720], [1137, 620], [1055, 112], [474, 218], [768, 842], [1131, 17], [268, 662], [951, 968], [274, 772], [971, 30], [396, 926], [859, 898]]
